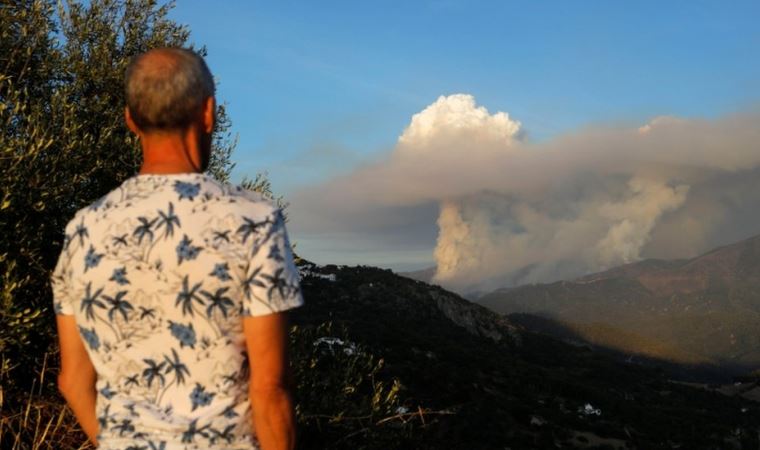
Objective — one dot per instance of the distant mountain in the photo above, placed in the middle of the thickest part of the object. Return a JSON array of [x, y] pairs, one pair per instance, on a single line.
[[704, 310], [383, 361], [424, 275]]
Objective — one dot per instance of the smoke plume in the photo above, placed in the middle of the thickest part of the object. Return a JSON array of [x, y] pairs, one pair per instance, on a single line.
[[511, 211]]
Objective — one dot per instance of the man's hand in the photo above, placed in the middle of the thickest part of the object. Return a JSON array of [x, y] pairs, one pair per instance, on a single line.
[[267, 342], [77, 378]]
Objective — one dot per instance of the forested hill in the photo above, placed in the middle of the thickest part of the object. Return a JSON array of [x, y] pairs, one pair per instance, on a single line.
[[383, 361], [703, 310]]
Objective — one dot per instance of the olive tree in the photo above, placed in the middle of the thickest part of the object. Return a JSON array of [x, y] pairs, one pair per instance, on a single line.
[[63, 141]]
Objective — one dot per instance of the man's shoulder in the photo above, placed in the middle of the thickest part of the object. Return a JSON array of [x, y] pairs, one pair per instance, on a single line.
[[136, 196], [245, 194], [99, 205], [249, 202]]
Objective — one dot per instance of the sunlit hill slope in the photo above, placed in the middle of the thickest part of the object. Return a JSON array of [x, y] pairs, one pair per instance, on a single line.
[[704, 310]]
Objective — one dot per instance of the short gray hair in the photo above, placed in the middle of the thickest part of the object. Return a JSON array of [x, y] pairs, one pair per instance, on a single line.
[[166, 90]]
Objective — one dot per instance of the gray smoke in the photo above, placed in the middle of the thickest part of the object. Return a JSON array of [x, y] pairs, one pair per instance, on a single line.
[[511, 211]]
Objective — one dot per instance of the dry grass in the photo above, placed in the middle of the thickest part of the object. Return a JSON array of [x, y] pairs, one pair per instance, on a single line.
[[38, 418]]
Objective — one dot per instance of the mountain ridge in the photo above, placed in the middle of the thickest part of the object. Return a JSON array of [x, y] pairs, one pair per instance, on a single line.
[[703, 310]]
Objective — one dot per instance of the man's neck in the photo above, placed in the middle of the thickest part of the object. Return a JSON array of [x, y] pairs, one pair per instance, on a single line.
[[159, 169], [170, 153]]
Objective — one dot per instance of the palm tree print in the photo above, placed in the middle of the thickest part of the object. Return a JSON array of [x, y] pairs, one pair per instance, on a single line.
[[188, 295], [189, 434], [90, 301], [119, 241], [159, 446], [252, 281], [153, 372], [81, 232], [218, 300], [147, 312], [227, 434], [132, 380], [277, 282], [132, 413], [250, 227], [125, 426], [274, 253], [177, 367], [222, 236], [168, 220], [230, 378], [144, 229], [118, 304], [105, 418]]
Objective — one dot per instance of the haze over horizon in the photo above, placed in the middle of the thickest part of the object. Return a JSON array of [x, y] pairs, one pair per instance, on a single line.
[[491, 139]]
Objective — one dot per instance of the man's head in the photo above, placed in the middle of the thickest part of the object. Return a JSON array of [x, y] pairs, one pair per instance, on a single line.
[[171, 91]]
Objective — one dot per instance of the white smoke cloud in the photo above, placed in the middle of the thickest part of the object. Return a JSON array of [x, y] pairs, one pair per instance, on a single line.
[[632, 220], [492, 240], [453, 115], [512, 211]]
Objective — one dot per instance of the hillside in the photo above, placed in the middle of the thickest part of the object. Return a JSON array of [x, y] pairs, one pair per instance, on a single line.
[[383, 361], [425, 275], [704, 310]]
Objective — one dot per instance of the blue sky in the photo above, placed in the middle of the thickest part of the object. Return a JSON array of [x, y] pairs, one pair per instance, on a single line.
[[316, 88]]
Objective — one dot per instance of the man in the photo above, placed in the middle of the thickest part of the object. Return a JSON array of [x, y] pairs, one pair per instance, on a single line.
[[171, 290]]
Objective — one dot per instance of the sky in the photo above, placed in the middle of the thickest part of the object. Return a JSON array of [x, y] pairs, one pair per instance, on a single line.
[[320, 92]]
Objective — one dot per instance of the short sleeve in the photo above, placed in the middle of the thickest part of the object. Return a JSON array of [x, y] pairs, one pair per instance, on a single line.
[[272, 280], [60, 281]]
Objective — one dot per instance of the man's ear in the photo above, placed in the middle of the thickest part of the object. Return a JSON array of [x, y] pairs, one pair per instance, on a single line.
[[130, 122], [209, 114]]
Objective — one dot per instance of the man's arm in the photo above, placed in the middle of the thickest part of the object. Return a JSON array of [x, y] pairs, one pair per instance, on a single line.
[[77, 378], [267, 342]]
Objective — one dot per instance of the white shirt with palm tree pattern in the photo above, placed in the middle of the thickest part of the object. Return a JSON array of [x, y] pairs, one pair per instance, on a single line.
[[158, 275]]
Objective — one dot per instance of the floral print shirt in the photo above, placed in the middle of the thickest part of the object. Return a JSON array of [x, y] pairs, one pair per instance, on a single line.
[[158, 275]]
